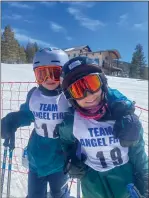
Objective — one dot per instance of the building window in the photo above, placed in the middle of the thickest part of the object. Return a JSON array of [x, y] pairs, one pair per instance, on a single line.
[[103, 63], [106, 58], [97, 60]]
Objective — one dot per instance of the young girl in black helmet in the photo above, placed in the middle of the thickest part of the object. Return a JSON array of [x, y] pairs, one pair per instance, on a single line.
[[101, 135]]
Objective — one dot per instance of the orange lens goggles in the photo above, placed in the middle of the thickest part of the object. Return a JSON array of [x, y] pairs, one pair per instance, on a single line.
[[44, 72], [91, 83]]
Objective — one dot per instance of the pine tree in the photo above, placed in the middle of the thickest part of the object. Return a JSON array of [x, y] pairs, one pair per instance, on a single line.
[[31, 49], [22, 55], [138, 62], [12, 52], [10, 46], [36, 47], [30, 52], [3, 57]]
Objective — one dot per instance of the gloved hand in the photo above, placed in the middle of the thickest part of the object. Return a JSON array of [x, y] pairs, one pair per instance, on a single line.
[[75, 170], [74, 164], [127, 130], [7, 128], [122, 108], [14, 120]]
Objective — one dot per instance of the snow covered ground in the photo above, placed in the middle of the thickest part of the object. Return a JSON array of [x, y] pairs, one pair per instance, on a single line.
[[13, 94]]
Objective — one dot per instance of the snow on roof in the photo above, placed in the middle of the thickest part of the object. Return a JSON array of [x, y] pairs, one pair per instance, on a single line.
[[69, 49]]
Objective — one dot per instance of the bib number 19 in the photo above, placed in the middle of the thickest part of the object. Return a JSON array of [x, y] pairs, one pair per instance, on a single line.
[[115, 156]]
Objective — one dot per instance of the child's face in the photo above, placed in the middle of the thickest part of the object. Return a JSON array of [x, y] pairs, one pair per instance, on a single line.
[[50, 84], [91, 100]]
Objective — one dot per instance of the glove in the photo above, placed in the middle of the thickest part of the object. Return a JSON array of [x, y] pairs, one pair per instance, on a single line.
[[75, 170], [14, 120], [122, 108], [127, 130], [8, 129], [74, 164]]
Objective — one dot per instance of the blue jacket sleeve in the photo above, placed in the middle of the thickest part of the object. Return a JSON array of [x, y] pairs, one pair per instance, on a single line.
[[25, 106], [139, 160], [25, 110], [115, 96]]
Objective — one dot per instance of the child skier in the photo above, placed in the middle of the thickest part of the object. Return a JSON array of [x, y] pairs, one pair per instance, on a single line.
[[45, 106], [102, 140]]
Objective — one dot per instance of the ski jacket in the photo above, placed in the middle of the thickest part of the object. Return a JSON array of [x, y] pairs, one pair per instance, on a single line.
[[45, 109], [109, 166]]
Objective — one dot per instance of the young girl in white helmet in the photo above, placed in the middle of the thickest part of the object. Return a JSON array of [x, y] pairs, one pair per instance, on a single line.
[[101, 135], [45, 106]]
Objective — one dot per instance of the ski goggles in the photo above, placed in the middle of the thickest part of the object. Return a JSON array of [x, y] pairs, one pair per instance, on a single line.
[[91, 83], [44, 72]]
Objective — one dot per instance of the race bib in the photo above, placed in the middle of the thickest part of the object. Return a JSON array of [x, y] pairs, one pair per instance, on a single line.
[[48, 112], [103, 151]]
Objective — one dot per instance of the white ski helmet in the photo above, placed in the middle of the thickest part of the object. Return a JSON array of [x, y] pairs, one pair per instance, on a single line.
[[50, 56]]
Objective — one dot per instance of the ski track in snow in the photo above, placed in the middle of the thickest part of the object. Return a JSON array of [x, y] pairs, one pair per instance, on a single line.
[[134, 89]]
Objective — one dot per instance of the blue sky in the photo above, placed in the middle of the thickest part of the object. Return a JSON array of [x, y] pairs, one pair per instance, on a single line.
[[101, 25]]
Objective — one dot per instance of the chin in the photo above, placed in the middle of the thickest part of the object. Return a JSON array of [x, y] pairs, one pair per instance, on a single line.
[[51, 88], [93, 104]]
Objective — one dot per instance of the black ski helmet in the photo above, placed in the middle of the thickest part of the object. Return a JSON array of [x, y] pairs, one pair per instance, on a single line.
[[79, 67]]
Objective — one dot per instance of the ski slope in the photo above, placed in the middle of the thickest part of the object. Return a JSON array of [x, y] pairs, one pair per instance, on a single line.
[[134, 89]]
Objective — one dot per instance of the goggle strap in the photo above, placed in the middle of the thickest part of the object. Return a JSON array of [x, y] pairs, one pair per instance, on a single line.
[[67, 94]]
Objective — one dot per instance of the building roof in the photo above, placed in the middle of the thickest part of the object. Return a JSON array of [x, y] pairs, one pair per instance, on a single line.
[[69, 49], [115, 54], [77, 48]]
